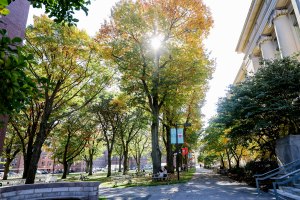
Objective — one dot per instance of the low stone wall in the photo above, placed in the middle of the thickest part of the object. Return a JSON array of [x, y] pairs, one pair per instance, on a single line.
[[76, 190]]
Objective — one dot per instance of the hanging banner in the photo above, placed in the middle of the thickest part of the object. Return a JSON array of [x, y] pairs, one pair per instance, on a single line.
[[173, 135], [179, 135]]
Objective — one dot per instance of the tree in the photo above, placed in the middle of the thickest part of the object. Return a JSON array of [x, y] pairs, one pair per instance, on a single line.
[[151, 76], [119, 152], [73, 135], [11, 149], [26, 124], [215, 142], [139, 147], [92, 149], [16, 87], [61, 11], [265, 107], [182, 107], [69, 74], [106, 113], [131, 123]]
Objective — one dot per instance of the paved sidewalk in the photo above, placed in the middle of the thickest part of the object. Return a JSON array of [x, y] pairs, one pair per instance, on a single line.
[[205, 185]]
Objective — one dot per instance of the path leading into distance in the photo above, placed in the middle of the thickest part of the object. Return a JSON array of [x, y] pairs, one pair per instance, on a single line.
[[205, 185]]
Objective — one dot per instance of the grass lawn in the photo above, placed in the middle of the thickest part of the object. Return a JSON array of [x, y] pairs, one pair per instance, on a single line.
[[135, 181]]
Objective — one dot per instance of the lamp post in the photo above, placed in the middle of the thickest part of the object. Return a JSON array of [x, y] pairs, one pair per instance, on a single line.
[[177, 145]]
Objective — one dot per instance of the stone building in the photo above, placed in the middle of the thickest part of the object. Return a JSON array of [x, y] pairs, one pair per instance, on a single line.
[[271, 30]]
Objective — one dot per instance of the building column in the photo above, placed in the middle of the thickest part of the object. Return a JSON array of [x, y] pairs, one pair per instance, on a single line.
[[296, 6], [267, 47], [283, 30]]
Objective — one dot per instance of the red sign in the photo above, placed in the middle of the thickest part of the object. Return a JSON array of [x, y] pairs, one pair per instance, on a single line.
[[184, 151]]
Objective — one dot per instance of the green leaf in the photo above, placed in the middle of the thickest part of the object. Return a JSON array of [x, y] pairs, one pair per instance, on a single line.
[[3, 32], [30, 57], [16, 40], [3, 2], [75, 20], [4, 11]]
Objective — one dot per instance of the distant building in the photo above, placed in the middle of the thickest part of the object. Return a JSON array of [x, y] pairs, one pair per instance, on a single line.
[[271, 30], [46, 163]]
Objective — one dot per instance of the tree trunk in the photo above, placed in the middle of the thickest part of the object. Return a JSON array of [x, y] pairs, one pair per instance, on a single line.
[[237, 163], [53, 166], [108, 163], [125, 162], [222, 162], [156, 153], [69, 167], [6, 168], [120, 163], [87, 166], [170, 166], [138, 162], [91, 164], [34, 162], [65, 164], [37, 146], [27, 157], [228, 158]]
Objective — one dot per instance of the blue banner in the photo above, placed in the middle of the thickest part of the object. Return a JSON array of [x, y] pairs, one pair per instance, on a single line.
[[179, 135], [173, 135]]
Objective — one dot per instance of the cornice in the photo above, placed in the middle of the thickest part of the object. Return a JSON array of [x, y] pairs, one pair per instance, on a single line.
[[250, 21]]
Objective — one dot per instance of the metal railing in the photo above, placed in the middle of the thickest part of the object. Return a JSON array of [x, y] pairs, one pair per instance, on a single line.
[[275, 172], [291, 177]]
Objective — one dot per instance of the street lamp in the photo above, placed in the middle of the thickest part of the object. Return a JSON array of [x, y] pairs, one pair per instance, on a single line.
[[177, 149]]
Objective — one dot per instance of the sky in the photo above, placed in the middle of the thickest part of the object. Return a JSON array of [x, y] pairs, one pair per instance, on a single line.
[[229, 17]]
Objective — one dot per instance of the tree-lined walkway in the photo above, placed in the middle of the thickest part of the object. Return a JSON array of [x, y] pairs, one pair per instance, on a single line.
[[204, 185]]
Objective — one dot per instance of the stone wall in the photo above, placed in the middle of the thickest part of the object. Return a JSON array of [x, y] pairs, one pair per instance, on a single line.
[[76, 190], [288, 149]]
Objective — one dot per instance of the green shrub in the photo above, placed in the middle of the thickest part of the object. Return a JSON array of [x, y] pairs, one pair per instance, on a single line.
[[258, 167]]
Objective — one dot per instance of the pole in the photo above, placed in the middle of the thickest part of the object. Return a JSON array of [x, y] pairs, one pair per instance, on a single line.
[[177, 154]]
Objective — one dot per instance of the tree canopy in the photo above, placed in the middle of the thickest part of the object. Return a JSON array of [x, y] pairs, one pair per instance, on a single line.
[[61, 10], [151, 76], [68, 69], [265, 107]]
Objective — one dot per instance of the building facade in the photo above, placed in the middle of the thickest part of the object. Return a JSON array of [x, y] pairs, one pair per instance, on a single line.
[[271, 30]]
